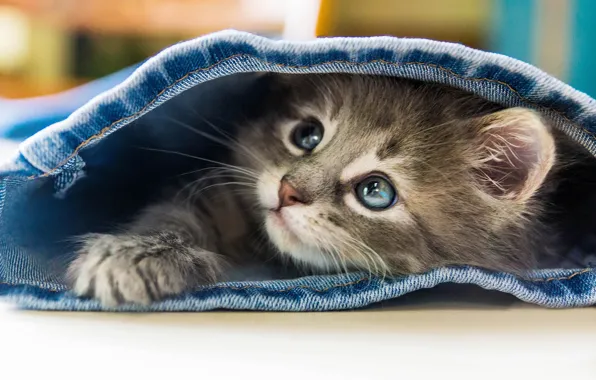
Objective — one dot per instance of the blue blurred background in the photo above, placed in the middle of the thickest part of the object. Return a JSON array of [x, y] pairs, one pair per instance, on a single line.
[[50, 46]]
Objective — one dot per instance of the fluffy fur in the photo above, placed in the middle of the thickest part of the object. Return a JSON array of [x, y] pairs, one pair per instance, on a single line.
[[473, 182]]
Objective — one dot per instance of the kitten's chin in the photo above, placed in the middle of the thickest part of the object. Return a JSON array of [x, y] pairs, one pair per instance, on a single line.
[[280, 234], [289, 243]]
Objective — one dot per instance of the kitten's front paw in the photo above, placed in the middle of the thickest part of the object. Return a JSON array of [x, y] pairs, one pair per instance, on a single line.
[[120, 269]]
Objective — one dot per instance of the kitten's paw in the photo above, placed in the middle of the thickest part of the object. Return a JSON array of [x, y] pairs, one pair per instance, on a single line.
[[119, 269]]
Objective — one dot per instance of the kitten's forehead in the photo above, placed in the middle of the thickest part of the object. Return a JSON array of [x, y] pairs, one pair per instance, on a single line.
[[355, 99], [362, 138]]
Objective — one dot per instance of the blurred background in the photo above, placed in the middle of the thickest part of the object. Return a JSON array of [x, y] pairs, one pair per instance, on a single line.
[[47, 46]]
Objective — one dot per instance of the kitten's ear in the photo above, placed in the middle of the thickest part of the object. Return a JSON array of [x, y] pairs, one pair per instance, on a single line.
[[516, 153]]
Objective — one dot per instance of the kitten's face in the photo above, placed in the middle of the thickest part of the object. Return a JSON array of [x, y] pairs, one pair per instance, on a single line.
[[380, 175]]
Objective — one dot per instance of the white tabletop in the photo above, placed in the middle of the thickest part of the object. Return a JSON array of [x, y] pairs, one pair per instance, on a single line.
[[483, 336]]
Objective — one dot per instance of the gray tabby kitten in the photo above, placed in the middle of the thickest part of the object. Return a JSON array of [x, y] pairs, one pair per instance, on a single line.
[[380, 174]]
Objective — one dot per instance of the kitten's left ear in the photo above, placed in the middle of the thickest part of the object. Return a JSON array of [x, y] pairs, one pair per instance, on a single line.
[[516, 153]]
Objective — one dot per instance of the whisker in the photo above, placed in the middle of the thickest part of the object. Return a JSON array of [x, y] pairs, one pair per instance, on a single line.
[[203, 189], [321, 248], [336, 251], [214, 175], [248, 171], [198, 131], [379, 264], [231, 171], [246, 150], [226, 176], [339, 258], [366, 258]]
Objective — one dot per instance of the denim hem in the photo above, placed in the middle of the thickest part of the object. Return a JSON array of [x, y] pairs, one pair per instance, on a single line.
[[363, 291], [129, 118]]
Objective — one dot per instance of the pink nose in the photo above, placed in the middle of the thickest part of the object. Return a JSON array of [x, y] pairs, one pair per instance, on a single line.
[[288, 195]]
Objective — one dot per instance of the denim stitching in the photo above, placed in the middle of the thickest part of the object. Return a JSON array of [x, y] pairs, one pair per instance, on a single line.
[[396, 64], [561, 278], [306, 287], [355, 282]]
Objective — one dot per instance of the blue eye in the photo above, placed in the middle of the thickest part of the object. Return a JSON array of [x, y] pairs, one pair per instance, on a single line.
[[376, 193], [308, 134]]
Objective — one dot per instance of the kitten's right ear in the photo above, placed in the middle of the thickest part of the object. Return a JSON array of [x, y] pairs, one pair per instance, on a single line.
[[514, 154]]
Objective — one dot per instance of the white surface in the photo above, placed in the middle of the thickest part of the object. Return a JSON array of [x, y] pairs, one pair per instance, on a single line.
[[476, 341]]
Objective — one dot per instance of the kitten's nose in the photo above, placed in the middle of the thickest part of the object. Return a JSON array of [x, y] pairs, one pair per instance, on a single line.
[[288, 195]]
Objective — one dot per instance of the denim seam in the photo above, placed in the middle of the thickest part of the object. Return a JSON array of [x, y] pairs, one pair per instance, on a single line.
[[396, 64], [355, 282], [550, 279]]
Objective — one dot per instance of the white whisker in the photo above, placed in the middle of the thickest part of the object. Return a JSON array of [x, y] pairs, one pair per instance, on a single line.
[[245, 149], [248, 171]]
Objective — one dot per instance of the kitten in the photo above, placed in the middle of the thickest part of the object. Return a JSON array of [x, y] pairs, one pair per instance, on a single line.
[[342, 172]]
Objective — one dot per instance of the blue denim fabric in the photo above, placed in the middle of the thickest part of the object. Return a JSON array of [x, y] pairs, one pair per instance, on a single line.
[[56, 187]]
